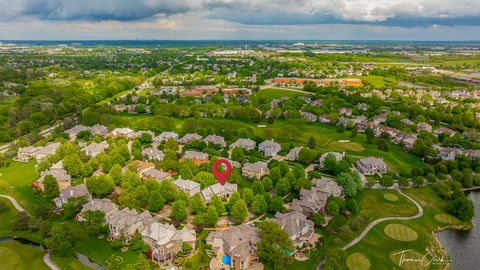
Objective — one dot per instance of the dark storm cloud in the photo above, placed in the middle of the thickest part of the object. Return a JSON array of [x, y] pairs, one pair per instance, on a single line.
[[405, 13]]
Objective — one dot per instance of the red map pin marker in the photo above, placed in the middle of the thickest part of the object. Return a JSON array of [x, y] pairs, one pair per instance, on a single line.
[[222, 176]]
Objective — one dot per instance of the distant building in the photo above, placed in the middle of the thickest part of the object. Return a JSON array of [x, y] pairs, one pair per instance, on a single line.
[[371, 166], [188, 138], [223, 191], [153, 154], [298, 227], [293, 154], [93, 149], [72, 192], [256, 170], [246, 144], [189, 186], [338, 157], [424, 126], [61, 176], [198, 158], [269, 148], [74, 131], [214, 139]]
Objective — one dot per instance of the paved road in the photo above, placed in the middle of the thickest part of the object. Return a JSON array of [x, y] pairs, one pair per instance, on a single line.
[[380, 220], [48, 261], [14, 202]]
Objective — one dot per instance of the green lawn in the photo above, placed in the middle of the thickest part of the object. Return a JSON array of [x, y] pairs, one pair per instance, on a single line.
[[16, 181], [200, 259], [68, 263], [273, 93], [383, 251], [347, 229], [15, 256], [6, 225]]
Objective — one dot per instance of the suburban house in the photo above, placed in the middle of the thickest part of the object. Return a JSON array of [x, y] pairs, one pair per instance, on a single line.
[[223, 191], [407, 122], [441, 130], [310, 202], [152, 154], [24, 154], [122, 132], [165, 241], [123, 224], [198, 158], [298, 227], [338, 157], [164, 136], [246, 144], [381, 118], [56, 170], [156, 174], [190, 137], [214, 139], [103, 205], [293, 154], [72, 192], [371, 166], [46, 151], [255, 170], [345, 111], [189, 186], [310, 117], [238, 243], [99, 130], [328, 186], [424, 126], [74, 131], [269, 148], [93, 149]]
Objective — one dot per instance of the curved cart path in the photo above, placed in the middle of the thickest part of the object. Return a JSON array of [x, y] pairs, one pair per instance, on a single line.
[[377, 221]]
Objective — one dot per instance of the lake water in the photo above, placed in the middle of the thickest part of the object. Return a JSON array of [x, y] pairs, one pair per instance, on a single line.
[[464, 247]]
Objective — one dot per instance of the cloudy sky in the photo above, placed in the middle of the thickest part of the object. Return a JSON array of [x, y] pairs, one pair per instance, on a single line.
[[240, 19]]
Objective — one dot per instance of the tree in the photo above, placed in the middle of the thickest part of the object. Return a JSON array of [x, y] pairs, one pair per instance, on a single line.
[[332, 207], [171, 145], [462, 208], [247, 195], [93, 222], [370, 135], [403, 182], [259, 205], [311, 142], [351, 205], [318, 219], [306, 156], [335, 260], [62, 239], [217, 202], [197, 204], [50, 187], [348, 184], [417, 180], [274, 246], [145, 138], [298, 171], [21, 221], [73, 206], [168, 190], [186, 172], [211, 216], [179, 210], [156, 201], [205, 179], [386, 181], [239, 211], [276, 204], [3, 208], [283, 166], [267, 183], [100, 185], [116, 174], [238, 155], [258, 187], [275, 174], [73, 165], [282, 187]]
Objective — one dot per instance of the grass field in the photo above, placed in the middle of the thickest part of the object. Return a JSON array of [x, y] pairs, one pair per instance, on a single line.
[[384, 252], [357, 261], [344, 233], [273, 93], [16, 181], [200, 260], [68, 263], [5, 104], [15, 256]]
